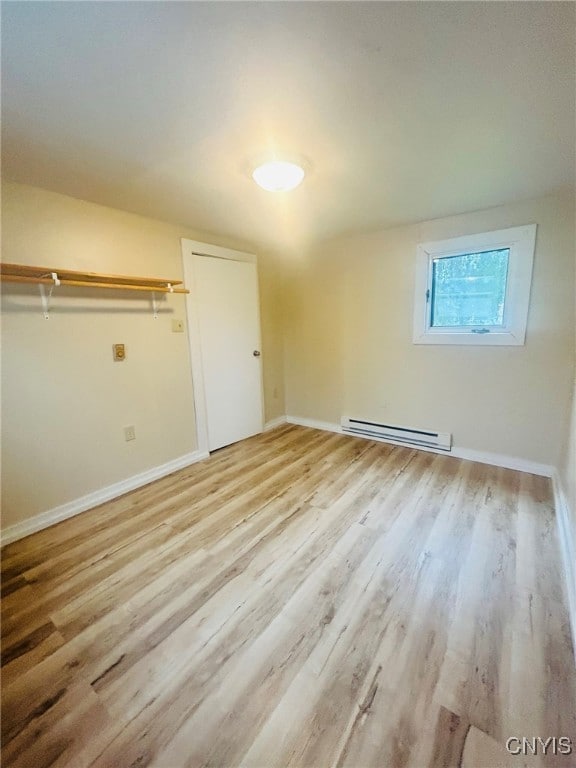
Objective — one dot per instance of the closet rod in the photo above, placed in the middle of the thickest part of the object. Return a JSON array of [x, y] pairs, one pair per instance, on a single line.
[[26, 270], [91, 284]]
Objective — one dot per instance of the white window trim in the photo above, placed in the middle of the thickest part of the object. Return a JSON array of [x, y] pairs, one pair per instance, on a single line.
[[521, 242]]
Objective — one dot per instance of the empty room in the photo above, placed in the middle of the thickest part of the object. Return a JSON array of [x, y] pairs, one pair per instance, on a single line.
[[288, 384]]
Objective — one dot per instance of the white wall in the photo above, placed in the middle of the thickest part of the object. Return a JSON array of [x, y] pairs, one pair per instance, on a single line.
[[64, 400], [348, 339]]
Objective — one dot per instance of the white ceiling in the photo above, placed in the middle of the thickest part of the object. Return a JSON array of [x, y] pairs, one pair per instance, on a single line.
[[403, 111]]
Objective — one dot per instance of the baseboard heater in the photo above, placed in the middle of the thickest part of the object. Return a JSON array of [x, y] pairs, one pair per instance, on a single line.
[[440, 440]]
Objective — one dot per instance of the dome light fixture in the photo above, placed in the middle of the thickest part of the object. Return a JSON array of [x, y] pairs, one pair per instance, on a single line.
[[278, 176]]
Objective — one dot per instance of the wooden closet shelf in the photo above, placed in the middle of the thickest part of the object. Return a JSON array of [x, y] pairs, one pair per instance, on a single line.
[[20, 273]]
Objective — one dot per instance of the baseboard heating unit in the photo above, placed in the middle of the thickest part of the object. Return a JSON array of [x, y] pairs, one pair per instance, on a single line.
[[442, 441]]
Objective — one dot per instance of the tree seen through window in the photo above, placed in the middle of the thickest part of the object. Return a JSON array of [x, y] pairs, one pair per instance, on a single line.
[[469, 289]]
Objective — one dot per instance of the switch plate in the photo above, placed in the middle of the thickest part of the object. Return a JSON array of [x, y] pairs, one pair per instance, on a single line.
[[119, 352], [177, 326], [129, 433]]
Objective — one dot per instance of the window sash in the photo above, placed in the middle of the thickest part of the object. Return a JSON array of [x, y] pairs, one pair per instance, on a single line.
[[473, 295]]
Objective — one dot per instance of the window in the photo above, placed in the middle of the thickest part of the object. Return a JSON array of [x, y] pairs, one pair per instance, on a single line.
[[474, 289]]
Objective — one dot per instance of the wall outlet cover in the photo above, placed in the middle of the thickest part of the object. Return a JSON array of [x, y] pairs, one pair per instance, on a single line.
[[119, 352]]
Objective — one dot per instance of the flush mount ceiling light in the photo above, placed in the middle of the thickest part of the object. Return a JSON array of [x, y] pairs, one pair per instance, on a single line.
[[278, 176]]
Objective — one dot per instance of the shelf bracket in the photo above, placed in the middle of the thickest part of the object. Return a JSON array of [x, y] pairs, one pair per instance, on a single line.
[[46, 297], [154, 305]]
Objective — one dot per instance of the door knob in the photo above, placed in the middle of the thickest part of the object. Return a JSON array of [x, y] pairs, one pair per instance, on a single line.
[[256, 353]]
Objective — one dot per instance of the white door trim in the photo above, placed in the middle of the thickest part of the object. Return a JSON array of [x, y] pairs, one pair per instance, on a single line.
[[205, 249], [196, 248]]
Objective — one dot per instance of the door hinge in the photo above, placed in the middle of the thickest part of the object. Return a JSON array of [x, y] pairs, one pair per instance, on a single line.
[[428, 294]]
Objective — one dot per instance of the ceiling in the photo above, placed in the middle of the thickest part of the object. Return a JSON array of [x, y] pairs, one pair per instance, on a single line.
[[401, 111]]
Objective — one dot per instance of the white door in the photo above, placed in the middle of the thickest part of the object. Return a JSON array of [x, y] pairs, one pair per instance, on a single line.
[[226, 306]]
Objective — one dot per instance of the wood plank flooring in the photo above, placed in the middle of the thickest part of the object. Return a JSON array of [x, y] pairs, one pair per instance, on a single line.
[[299, 599]]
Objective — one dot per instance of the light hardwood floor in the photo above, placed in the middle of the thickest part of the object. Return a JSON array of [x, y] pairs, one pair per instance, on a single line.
[[298, 599]]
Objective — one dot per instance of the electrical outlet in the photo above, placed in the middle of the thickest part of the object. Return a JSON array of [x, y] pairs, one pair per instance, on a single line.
[[177, 326], [119, 352], [129, 433]]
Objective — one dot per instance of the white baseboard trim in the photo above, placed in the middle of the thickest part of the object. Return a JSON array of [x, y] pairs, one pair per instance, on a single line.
[[483, 457], [75, 507], [273, 423], [327, 426], [500, 460], [567, 548]]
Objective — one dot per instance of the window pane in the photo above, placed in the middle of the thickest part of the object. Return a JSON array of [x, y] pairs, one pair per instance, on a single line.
[[469, 289]]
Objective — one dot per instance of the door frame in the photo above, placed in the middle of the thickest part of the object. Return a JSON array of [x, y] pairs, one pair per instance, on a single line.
[[196, 248]]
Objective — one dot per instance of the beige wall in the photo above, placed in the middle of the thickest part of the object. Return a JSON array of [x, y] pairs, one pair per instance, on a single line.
[[64, 401], [270, 284], [567, 469], [337, 337], [348, 341]]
